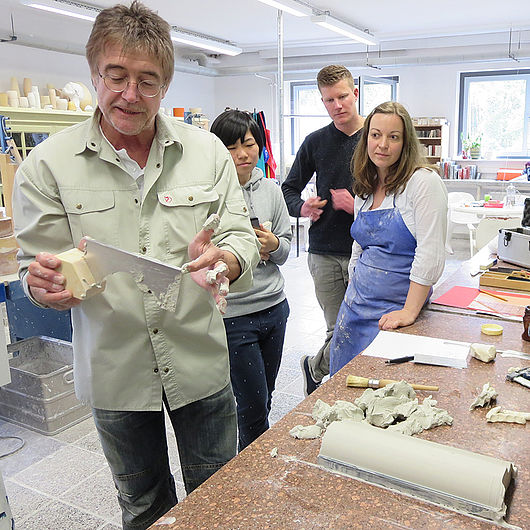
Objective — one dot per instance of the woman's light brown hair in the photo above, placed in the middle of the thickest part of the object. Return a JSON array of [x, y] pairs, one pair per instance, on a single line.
[[364, 171]]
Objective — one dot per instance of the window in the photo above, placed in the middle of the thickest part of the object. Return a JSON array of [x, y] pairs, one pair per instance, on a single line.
[[495, 106], [308, 113], [376, 90]]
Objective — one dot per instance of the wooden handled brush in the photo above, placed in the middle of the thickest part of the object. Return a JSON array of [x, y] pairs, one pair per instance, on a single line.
[[364, 382]]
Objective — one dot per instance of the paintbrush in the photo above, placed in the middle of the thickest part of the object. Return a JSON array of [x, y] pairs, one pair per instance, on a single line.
[[364, 382]]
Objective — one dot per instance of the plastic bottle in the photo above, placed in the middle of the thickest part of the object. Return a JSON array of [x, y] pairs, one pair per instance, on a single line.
[[511, 192], [526, 323]]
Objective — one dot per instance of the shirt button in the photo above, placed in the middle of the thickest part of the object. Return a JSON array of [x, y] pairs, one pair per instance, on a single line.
[[155, 370], [190, 198], [143, 250], [244, 208], [166, 370], [78, 206], [93, 144], [158, 165], [136, 201], [155, 331], [118, 160]]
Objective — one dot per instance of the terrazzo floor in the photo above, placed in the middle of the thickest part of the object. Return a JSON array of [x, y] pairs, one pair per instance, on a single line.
[[62, 482]]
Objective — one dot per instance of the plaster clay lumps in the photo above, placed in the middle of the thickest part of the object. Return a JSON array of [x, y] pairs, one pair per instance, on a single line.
[[426, 416], [487, 395], [342, 410], [396, 402], [496, 414], [307, 432], [483, 352]]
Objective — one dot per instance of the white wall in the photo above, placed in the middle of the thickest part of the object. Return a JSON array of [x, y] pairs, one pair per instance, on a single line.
[[49, 67], [247, 92], [424, 90]]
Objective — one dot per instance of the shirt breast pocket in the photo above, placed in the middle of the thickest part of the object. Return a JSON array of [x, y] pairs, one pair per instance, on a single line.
[[184, 211], [91, 213]]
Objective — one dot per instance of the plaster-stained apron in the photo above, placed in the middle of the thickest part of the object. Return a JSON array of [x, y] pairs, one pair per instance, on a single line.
[[380, 281]]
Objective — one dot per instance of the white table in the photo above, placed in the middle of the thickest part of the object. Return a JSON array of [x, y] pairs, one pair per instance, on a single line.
[[508, 212], [481, 212]]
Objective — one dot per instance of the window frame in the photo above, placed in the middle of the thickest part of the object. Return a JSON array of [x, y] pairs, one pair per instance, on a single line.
[[513, 74], [359, 83]]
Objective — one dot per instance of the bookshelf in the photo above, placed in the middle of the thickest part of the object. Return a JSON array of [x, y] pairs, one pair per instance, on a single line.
[[433, 134]]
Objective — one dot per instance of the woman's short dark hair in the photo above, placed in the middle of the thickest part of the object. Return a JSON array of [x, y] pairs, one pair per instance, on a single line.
[[232, 125]]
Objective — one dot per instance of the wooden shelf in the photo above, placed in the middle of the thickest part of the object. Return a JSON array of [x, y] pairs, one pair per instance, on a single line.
[[31, 126], [432, 144]]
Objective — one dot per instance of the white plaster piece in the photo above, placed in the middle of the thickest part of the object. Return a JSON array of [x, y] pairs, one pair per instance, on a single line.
[[497, 414], [344, 410], [307, 432], [447, 476], [384, 411], [212, 223], [224, 286], [320, 410], [483, 352], [425, 416], [324, 414], [487, 395], [220, 268], [274, 452], [165, 521]]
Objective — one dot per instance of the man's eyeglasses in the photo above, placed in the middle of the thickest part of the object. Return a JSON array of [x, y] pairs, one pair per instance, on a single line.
[[148, 89]]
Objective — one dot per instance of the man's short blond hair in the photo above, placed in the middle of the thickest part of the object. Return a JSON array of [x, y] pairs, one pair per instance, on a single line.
[[136, 29], [333, 73]]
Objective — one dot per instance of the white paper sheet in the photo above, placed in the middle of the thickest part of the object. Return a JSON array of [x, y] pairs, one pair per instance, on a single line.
[[429, 350]]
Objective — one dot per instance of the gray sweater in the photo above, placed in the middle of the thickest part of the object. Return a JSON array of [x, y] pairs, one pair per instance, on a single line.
[[265, 201]]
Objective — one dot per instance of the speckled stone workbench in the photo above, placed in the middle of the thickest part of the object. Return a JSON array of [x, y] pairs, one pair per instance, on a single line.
[[256, 491]]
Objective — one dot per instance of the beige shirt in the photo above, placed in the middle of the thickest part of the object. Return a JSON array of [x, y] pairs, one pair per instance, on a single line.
[[127, 350]]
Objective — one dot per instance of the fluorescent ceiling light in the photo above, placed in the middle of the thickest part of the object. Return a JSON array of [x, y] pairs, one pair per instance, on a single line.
[[204, 43], [63, 8], [298, 9], [342, 28]]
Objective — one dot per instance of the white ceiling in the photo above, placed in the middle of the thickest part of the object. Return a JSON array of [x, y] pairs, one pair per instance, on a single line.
[[410, 32]]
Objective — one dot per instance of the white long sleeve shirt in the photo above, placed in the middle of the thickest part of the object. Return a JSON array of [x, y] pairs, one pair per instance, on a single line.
[[423, 207]]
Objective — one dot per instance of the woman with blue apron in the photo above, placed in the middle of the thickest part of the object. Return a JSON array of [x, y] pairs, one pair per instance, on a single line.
[[399, 234]]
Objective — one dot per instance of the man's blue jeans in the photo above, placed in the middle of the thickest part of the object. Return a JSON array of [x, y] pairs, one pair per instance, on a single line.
[[255, 344], [135, 446]]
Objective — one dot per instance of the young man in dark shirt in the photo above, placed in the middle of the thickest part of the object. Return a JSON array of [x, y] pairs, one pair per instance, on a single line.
[[328, 153]]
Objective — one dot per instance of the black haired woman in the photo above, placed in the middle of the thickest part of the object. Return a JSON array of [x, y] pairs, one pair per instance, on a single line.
[[255, 321]]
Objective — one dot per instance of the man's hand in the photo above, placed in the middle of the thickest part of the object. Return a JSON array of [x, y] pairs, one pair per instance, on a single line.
[[209, 267], [312, 208], [47, 285], [269, 242], [342, 200]]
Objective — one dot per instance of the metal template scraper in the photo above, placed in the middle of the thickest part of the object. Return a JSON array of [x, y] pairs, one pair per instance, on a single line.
[[85, 272], [149, 273]]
